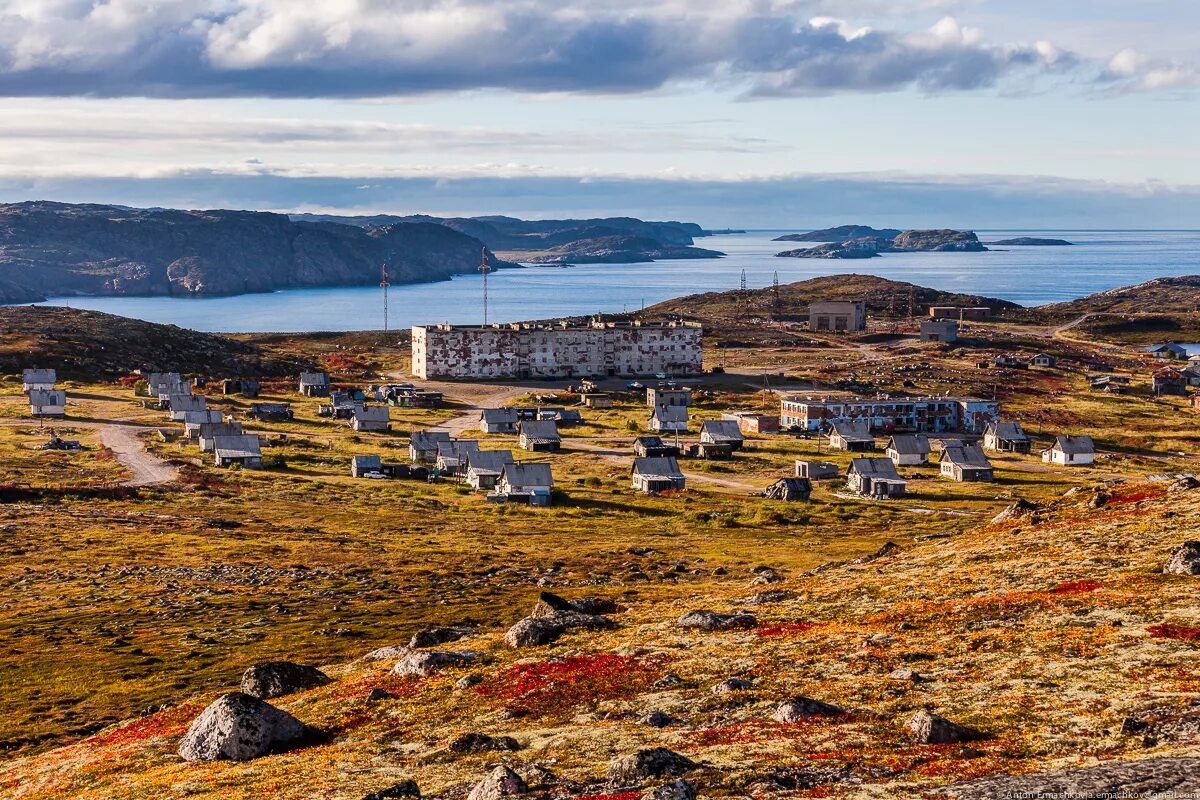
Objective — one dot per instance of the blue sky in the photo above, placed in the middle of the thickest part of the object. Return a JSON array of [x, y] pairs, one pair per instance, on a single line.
[[985, 113]]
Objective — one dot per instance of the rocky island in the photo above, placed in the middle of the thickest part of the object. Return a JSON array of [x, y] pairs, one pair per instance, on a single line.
[[614, 250], [842, 233], [1031, 241], [923, 241]]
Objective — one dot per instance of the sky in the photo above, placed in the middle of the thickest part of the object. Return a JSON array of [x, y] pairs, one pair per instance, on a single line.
[[743, 113]]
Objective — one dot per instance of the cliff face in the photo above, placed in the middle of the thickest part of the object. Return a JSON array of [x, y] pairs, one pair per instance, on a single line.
[[55, 248]]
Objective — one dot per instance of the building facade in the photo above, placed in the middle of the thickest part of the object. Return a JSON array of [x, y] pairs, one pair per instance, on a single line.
[[556, 351], [840, 316], [923, 414]]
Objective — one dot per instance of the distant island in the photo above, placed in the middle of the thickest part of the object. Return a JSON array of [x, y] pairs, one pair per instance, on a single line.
[[1030, 241], [612, 250], [872, 244]]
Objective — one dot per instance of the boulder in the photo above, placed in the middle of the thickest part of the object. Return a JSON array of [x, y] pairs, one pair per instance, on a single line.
[[277, 678], [658, 762], [388, 653], [482, 743], [426, 662], [1017, 510], [802, 708], [715, 621], [658, 719], [432, 637], [548, 603], [929, 728], [680, 789], [1185, 484], [1185, 560], [239, 727], [542, 630], [888, 549], [731, 685], [406, 789], [500, 782]]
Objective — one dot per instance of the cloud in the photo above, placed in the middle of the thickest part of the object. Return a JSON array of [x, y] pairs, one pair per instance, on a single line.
[[376, 48], [1132, 70]]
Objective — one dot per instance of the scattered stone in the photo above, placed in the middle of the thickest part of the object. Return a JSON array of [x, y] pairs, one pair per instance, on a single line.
[[802, 708], [766, 578], [500, 782], [1149, 777], [278, 678], [1019, 509], [929, 728], [888, 549], [432, 637], [794, 779], [1185, 560], [548, 603], [658, 762], [542, 630], [906, 674], [467, 681], [667, 681], [1165, 723], [378, 695], [731, 685], [1099, 500], [681, 789], [482, 743], [715, 621], [1185, 484], [596, 605], [239, 727], [407, 789], [426, 662], [658, 719]]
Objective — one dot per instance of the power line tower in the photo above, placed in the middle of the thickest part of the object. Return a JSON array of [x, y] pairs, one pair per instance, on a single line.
[[384, 283], [775, 306], [485, 268], [743, 283]]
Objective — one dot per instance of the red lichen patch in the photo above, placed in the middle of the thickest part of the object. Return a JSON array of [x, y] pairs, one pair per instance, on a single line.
[[1076, 587], [172, 722], [360, 687], [1136, 494], [1185, 633], [562, 684], [785, 628], [759, 730]]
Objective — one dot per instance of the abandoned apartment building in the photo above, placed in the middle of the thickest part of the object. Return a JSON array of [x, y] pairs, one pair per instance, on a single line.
[[838, 316], [919, 414], [560, 350]]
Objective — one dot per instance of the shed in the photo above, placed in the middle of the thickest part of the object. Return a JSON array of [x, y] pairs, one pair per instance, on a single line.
[[48, 403], [245, 387], [909, 450], [483, 467], [192, 420], [1006, 437], [854, 437], [966, 464], [32, 379], [243, 450], [816, 470], [1168, 350], [657, 474], [875, 477], [789, 489], [669, 419], [372, 418], [939, 330], [539, 435], [1169, 382], [314, 384], [596, 400], [498, 420], [1071, 451], [750, 422], [722, 431], [180, 404]]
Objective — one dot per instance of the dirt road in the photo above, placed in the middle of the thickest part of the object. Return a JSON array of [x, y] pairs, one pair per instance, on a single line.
[[147, 469]]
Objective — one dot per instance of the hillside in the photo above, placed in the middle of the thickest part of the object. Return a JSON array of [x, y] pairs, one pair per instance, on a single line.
[[89, 345], [1179, 295], [59, 249]]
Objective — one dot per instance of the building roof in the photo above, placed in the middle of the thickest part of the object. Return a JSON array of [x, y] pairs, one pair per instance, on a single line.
[[670, 413], [1047, 356], [200, 417], [314, 379], [1169, 374], [427, 440], [244, 445], [39, 376], [268, 408], [666, 466], [367, 462], [722, 429], [853, 432], [875, 468], [47, 397], [186, 402], [372, 414], [970, 456], [911, 444], [1074, 445], [1168, 346], [497, 416], [209, 430], [539, 429], [1008, 431], [649, 441], [527, 475], [457, 448], [491, 461]]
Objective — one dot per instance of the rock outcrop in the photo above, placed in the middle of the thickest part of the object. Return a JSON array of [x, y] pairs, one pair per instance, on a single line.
[[1185, 560], [928, 728], [943, 240], [238, 727], [277, 678], [716, 621], [1151, 777], [618, 249]]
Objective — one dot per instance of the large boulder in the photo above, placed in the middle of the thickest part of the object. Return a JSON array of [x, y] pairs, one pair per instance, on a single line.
[[426, 662], [1019, 509], [802, 708], [657, 762], [500, 782], [715, 621], [403, 789], [239, 727], [929, 728], [277, 678], [1185, 560], [542, 630], [680, 789], [432, 637]]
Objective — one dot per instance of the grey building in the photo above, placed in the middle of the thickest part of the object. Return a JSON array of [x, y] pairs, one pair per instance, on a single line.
[[841, 316]]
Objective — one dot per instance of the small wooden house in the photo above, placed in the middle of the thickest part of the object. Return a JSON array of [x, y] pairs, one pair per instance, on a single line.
[[852, 437], [596, 400], [1009, 362], [653, 447], [1168, 350], [1169, 382], [208, 432], [498, 420], [47, 403], [669, 419], [875, 477], [1006, 437], [243, 387], [966, 464], [372, 419], [314, 384], [361, 466], [1071, 451], [816, 470], [192, 420], [722, 431], [789, 489], [243, 450], [452, 455], [483, 467], [423, 445], [530, 483], [656, 475], [750, 422], [909, 450], [539, 436], [181, 404], [1044, 360]]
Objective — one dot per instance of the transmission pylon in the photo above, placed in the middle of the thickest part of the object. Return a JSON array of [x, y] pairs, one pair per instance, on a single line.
[[384, 283], [485, 268]]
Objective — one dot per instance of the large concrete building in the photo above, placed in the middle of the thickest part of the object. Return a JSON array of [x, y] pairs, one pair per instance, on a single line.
[[839, 316], [923, 414], [556, 351]]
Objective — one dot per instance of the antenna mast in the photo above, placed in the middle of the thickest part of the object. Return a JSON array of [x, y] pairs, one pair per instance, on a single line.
[[384, 283], [485, 268]]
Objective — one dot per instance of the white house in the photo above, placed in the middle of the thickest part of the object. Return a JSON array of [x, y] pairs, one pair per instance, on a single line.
[[531, 482], [48, 403], [909, 450], [181, 404], [1071, 451], [371, 418], [1006, 437], [851, 436], [43, 379], [875, 477], [499, 420], [669, 419]]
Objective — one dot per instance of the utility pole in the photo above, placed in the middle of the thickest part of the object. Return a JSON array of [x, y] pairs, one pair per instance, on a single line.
[[384, 284], [485, 268]]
